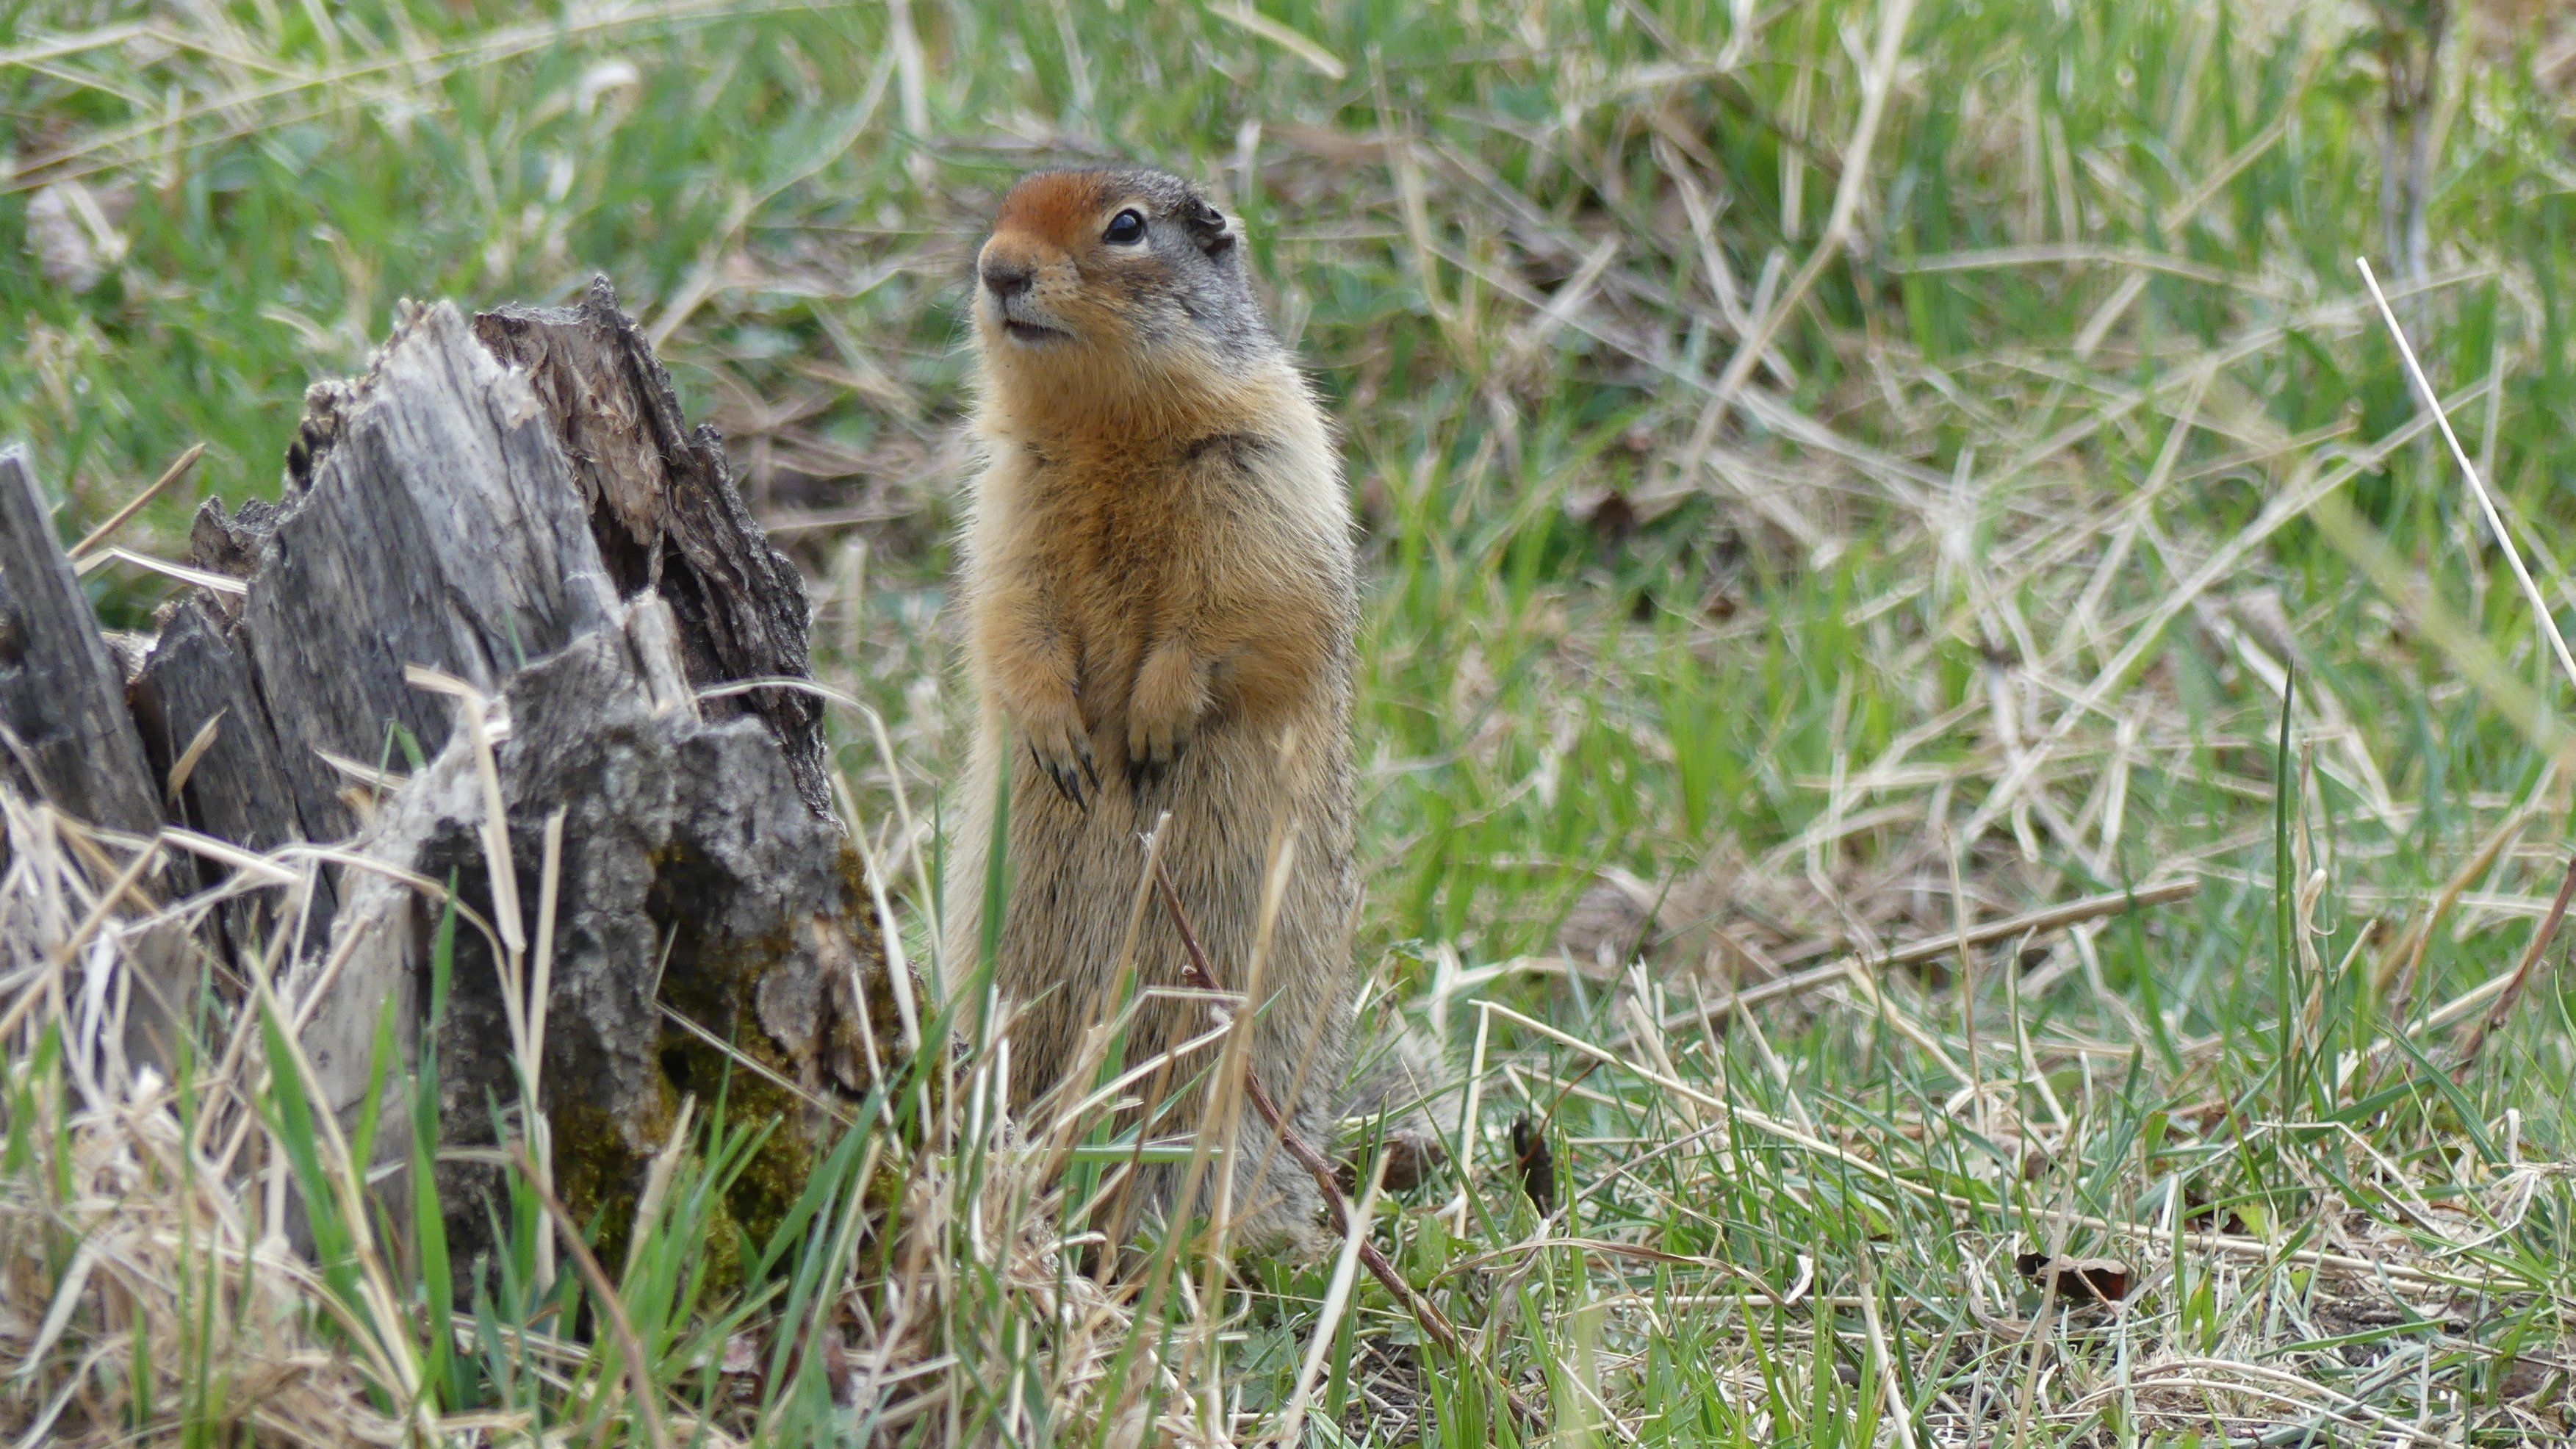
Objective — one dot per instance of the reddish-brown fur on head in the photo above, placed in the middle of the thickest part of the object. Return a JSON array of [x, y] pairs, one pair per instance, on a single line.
[[1049, 227], [1133, 329], [1059, 209]]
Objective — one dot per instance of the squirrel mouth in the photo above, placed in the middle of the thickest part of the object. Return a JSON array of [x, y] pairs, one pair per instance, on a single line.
[[1031, 332]]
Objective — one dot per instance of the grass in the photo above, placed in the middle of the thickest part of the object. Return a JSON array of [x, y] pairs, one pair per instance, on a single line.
[[2076, 529]]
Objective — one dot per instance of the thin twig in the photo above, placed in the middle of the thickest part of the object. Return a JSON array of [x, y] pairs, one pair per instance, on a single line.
[[2499, 1013], [1337, 1297], [1200, 976], [2407, 952], [2048, 918]]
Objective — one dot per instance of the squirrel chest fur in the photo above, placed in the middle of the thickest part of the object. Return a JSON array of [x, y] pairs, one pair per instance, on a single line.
[[1160, 595]]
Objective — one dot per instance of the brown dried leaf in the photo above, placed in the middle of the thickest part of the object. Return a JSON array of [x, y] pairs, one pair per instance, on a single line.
[[1410, 1158], [1536, 1161], [2077, 1280]]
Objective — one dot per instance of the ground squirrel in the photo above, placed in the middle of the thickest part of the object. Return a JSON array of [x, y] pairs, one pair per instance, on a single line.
[[1160, 593]]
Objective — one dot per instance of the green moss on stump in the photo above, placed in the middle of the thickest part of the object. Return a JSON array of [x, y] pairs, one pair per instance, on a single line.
[[714, 981]]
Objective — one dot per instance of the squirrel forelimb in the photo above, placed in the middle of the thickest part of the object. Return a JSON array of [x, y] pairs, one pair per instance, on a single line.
[[1171, 694]]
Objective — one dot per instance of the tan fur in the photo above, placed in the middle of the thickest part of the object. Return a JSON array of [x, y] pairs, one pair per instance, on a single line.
[[1158, 575]]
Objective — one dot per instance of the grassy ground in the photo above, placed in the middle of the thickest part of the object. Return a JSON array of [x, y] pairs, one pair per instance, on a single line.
[[2069, 526]]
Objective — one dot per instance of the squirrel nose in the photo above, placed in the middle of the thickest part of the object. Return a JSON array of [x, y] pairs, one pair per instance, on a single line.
[[1007, 278]]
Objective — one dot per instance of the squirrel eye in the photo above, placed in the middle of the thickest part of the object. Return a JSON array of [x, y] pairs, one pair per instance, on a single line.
[[1126, 228]]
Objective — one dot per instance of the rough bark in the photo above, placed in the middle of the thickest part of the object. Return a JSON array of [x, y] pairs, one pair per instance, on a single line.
[[66, 736], [665, 513], [197, 678], [62, 697], [435, 524], [692, 881], [516, 505]]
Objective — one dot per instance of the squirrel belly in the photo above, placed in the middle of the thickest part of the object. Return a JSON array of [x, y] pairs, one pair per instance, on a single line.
[[1160, 593]]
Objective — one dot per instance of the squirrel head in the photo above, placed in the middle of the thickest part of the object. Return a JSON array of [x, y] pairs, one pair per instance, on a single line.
[[1113, 291]]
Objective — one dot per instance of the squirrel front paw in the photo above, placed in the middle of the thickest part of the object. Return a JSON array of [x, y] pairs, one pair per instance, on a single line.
[[1062, 750], [1169, 698], [1151, 750]]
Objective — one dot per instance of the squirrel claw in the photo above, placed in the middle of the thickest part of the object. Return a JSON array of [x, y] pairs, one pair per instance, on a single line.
[[1068, 777], [1153, 766]]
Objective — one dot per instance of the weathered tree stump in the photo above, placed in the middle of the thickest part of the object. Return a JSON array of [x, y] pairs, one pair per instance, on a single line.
[[501, 571]]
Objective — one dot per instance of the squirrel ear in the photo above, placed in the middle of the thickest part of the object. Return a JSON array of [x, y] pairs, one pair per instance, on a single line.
[[1208, 225]]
